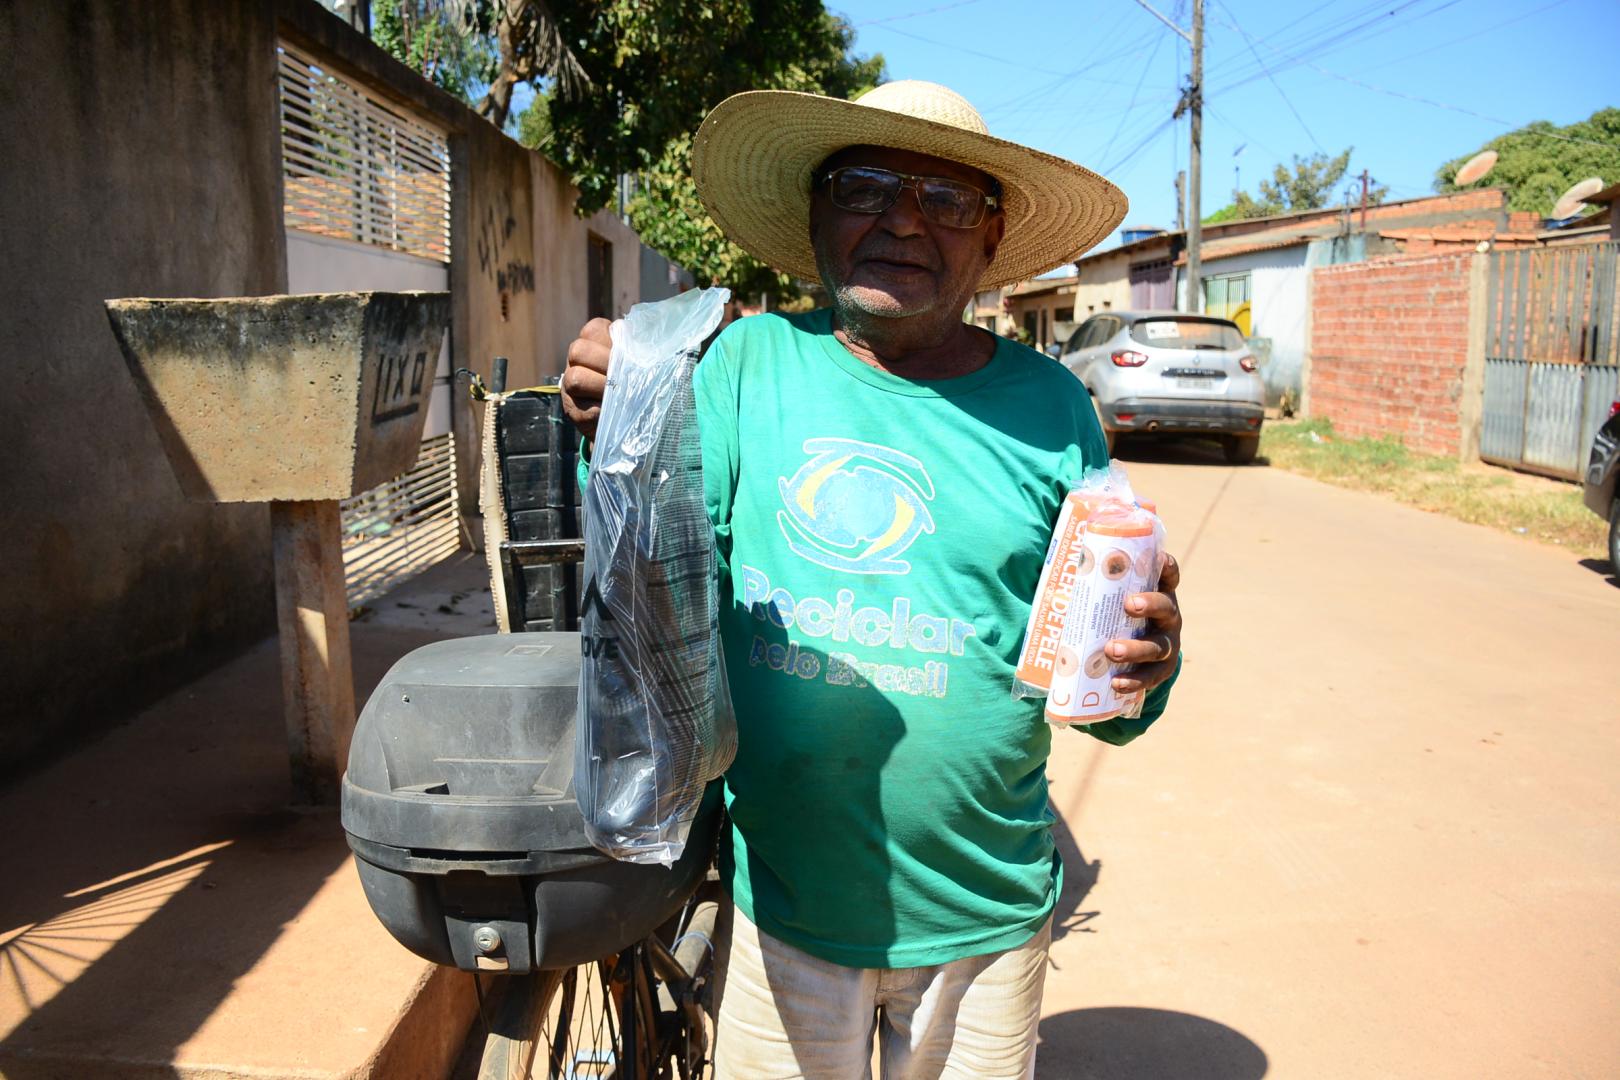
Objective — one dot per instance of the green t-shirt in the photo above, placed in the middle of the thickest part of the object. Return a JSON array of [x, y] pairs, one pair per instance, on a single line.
[[880, 542]]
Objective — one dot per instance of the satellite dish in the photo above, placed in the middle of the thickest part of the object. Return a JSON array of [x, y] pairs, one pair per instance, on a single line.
[[1475, 168], [1569, 203]]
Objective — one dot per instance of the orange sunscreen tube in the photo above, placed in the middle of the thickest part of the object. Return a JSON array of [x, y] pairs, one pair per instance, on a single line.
[[1117, 555], [1052, 597]]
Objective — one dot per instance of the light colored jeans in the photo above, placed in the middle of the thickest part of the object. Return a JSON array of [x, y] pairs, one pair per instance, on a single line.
[[784, 1013]]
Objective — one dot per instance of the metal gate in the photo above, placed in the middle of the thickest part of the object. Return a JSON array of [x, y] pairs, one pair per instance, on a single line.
[[1552, 360]]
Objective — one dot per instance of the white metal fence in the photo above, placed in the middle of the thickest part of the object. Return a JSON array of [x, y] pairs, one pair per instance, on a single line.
[[356, 168], [398, 529]]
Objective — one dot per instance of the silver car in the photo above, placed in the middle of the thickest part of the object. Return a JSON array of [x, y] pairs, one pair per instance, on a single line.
[[1170, 373]]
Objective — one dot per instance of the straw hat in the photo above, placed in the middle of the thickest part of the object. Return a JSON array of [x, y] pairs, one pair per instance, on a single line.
[[753, 156]]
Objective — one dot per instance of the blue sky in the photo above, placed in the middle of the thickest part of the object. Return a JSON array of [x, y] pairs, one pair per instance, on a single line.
[[1095, 80]]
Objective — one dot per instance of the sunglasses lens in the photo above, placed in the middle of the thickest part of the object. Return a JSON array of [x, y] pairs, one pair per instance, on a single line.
[[945, 203], [865, 191]]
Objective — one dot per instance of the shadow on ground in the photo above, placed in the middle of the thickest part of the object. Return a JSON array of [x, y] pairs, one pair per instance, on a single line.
[[1173, 450], [1144, 1044], [163, 862], [1079, 878], [153, 869], [1605, 568]]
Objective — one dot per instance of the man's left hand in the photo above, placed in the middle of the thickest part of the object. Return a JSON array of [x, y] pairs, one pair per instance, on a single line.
[[1155, 653]]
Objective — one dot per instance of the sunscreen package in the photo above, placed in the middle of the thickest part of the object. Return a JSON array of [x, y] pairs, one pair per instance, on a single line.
[[1107, 544]]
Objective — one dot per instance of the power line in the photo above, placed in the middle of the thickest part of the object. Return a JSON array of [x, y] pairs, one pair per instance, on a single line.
[[1012, 128], [1301, 18], [1340, 30], [1022, 65], [1297, 60], [1175, 140], [1112, 54], [917, 14], [1231, 21], [1143, 144], [1467, 37], [1458, 108], [1309, 35], [1116, 55], [1223, 118], [1154, 55], [1089, 109], [1329, 38]]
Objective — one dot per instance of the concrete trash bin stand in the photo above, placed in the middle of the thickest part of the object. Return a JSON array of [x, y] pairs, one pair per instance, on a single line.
[[459, 806], [298, 401]]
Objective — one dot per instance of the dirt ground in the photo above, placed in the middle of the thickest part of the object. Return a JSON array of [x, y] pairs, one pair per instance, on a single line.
[[1375, 835]]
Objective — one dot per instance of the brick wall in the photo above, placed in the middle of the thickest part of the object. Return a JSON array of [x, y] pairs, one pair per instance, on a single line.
[[1389, 339]]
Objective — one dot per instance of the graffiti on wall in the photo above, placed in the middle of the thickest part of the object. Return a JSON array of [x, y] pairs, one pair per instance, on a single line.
[[499, 258]]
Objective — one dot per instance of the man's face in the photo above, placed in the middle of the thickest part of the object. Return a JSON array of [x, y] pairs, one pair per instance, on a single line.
[[898, 263]]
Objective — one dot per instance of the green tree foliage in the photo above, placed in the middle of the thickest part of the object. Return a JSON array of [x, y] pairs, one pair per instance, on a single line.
[[656, 68], [529, 46], [1309, 184], [668, 215], [1535, 167], [428, 36], [480, 50], [622, 85]]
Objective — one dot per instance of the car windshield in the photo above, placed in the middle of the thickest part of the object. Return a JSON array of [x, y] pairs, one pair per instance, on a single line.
[[1173, 333]]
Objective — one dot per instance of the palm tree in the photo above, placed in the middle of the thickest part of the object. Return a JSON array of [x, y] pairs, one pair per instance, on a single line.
[[530, 46]]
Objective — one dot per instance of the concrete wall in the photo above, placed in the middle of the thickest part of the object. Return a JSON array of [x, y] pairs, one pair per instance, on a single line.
[[130, 171], [660, 278], [1105, 284], [562, 248], [143, 159], [1389, 349], [1279, 288]]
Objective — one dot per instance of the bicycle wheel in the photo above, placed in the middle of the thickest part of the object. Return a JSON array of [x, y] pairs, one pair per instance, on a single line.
[[644, 1014], [577, 1024]]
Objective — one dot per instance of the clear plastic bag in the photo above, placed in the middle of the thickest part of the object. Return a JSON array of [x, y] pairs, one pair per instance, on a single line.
[[655, 717], [1108, 544]]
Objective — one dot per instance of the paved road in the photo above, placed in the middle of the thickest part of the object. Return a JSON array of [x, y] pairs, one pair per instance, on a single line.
[[1376, 835]]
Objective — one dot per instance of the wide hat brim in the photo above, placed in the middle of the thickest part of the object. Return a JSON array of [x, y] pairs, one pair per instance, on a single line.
[[753, 157]]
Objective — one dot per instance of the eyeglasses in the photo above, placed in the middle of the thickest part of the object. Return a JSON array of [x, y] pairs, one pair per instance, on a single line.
[[862, 189]]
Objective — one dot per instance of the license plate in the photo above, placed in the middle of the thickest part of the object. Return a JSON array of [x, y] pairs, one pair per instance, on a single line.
[[1195, 384]]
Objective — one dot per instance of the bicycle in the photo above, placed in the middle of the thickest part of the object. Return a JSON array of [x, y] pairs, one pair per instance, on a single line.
[[645, 1013], [641, 1014]]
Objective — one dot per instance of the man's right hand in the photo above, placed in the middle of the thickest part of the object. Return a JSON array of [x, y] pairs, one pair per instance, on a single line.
[[585, 379]]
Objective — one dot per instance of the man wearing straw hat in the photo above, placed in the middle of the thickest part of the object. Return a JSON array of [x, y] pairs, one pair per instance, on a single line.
[[883, 479]]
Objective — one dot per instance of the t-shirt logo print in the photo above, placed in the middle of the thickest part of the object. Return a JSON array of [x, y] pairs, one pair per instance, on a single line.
[[855, 506]]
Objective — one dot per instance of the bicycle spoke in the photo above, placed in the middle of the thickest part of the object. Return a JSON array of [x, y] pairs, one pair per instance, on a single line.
[[580, 1031], [641, 1015], [558, 1040]]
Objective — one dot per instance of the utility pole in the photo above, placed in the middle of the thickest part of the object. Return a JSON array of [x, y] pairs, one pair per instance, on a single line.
[[1195, 175], [1192, 100], [1181, 200], [1363, 200]]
